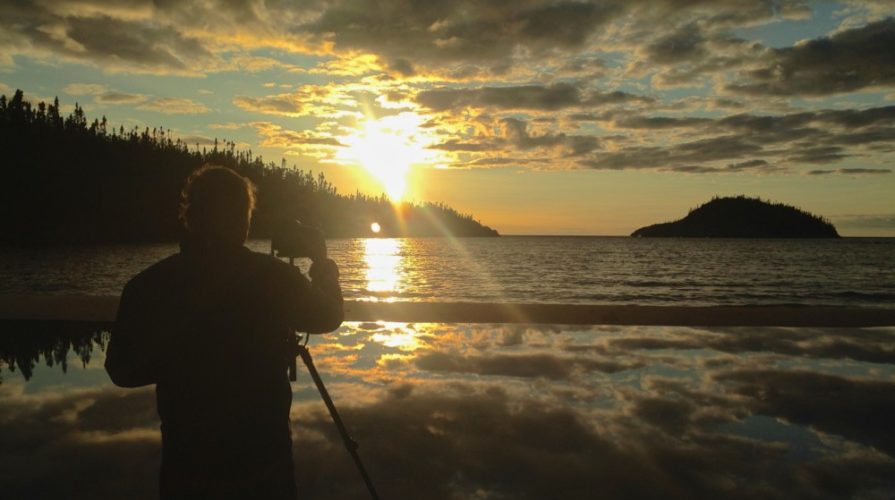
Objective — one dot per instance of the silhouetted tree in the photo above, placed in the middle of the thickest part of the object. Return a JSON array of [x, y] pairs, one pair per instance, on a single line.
[[70, 180]]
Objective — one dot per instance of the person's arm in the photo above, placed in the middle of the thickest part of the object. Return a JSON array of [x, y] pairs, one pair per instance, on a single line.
[[131, 357], [321, 301]]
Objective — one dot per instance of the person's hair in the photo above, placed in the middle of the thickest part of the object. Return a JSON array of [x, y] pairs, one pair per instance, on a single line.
[[216, 204]]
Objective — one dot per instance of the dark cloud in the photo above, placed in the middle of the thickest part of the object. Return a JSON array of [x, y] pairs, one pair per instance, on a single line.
[[596, 99], [75, 435], [844, 62], [677, 156], [113, 97], [660, 122], [526, 366], [516, 133], [455, 145], [852, 171], [829, 343], [461, 441], [859, 410], [751, 164], [527, 97], [685, 44], [98, 38], [808, 137], [403, 67], [808, 153], [437, 31], [534, 97]]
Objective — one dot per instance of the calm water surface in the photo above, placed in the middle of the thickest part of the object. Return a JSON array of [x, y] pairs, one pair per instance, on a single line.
[[850, 271], [459, 411]]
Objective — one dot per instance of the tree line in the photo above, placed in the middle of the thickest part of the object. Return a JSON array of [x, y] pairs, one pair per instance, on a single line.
[[72, 180]]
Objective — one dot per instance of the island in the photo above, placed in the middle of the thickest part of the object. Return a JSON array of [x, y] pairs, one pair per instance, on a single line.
[[743, 217]]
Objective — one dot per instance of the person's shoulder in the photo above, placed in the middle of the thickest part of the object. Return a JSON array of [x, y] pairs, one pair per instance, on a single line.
[[161, 271]]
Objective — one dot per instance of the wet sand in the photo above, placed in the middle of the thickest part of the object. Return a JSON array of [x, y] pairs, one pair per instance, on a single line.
[[100, 310]]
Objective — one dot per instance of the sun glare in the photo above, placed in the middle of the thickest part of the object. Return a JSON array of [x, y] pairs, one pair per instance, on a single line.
[[387, 148]]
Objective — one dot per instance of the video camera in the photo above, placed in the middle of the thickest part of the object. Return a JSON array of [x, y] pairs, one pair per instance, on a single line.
[[294, 239]]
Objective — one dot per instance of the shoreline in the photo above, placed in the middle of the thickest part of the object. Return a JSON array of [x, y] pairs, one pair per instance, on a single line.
[[100, 311]]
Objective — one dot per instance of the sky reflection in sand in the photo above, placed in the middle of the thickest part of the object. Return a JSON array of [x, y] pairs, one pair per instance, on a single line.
[[504, 411]]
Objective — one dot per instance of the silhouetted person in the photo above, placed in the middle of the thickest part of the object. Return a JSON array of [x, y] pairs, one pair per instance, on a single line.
[[211, 326]]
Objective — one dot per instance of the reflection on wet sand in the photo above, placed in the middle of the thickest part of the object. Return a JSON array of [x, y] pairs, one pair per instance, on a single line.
[[513, 411]]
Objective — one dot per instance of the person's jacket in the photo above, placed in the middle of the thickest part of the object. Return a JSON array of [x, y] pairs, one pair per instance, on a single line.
[[213, 328]]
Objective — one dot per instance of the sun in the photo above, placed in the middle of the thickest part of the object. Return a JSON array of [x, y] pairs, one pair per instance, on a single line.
[[387, 148], [375, 227]]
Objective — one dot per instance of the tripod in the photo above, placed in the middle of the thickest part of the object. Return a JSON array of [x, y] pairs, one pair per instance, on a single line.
[[293, 243], [301, 350]]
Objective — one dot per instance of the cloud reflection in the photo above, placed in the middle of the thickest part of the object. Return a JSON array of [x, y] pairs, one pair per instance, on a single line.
[[515, 411]]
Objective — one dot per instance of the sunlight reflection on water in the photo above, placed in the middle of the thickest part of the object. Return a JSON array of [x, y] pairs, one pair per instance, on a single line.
[[847, 272], [383, 265]]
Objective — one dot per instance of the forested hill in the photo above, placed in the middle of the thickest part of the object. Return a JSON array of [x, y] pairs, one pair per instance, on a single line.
[[68, 179], [742, 217]]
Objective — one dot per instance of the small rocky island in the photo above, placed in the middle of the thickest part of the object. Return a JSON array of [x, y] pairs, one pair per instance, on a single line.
[[743, 217]]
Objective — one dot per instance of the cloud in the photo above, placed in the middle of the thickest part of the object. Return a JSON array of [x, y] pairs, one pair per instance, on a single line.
[[119, 98], [844, 62], [482, 411], [851, 171], [439, 31], [524, 365], [824, 402], [114, 42], [677, 156], [748, 142], [486, 77], [174, 105], [826, 343], [455, 145], [552, 97], [276, 136], [536, 97], [659, 122], [84, 89], [684, 44], [288, 104]]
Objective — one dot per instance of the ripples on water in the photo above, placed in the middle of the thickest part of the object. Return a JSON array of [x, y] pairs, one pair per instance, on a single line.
[[458, 411], [599, 270]]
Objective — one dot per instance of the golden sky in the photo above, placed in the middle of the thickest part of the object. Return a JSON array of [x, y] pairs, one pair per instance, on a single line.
[[537, 117]]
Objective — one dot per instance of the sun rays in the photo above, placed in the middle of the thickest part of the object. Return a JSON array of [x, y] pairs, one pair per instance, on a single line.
[[387, 148]]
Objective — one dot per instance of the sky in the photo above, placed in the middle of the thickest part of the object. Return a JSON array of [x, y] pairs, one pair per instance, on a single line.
[[536, 117]]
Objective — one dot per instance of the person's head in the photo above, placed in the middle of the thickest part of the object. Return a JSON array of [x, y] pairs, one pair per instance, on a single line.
[[216, 205]]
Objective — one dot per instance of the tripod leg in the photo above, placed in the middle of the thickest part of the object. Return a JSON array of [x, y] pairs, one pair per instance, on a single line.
[[350, 444]]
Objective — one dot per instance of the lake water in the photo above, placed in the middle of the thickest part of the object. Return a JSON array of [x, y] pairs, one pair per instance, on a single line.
[[850, 271], [490, 411]]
